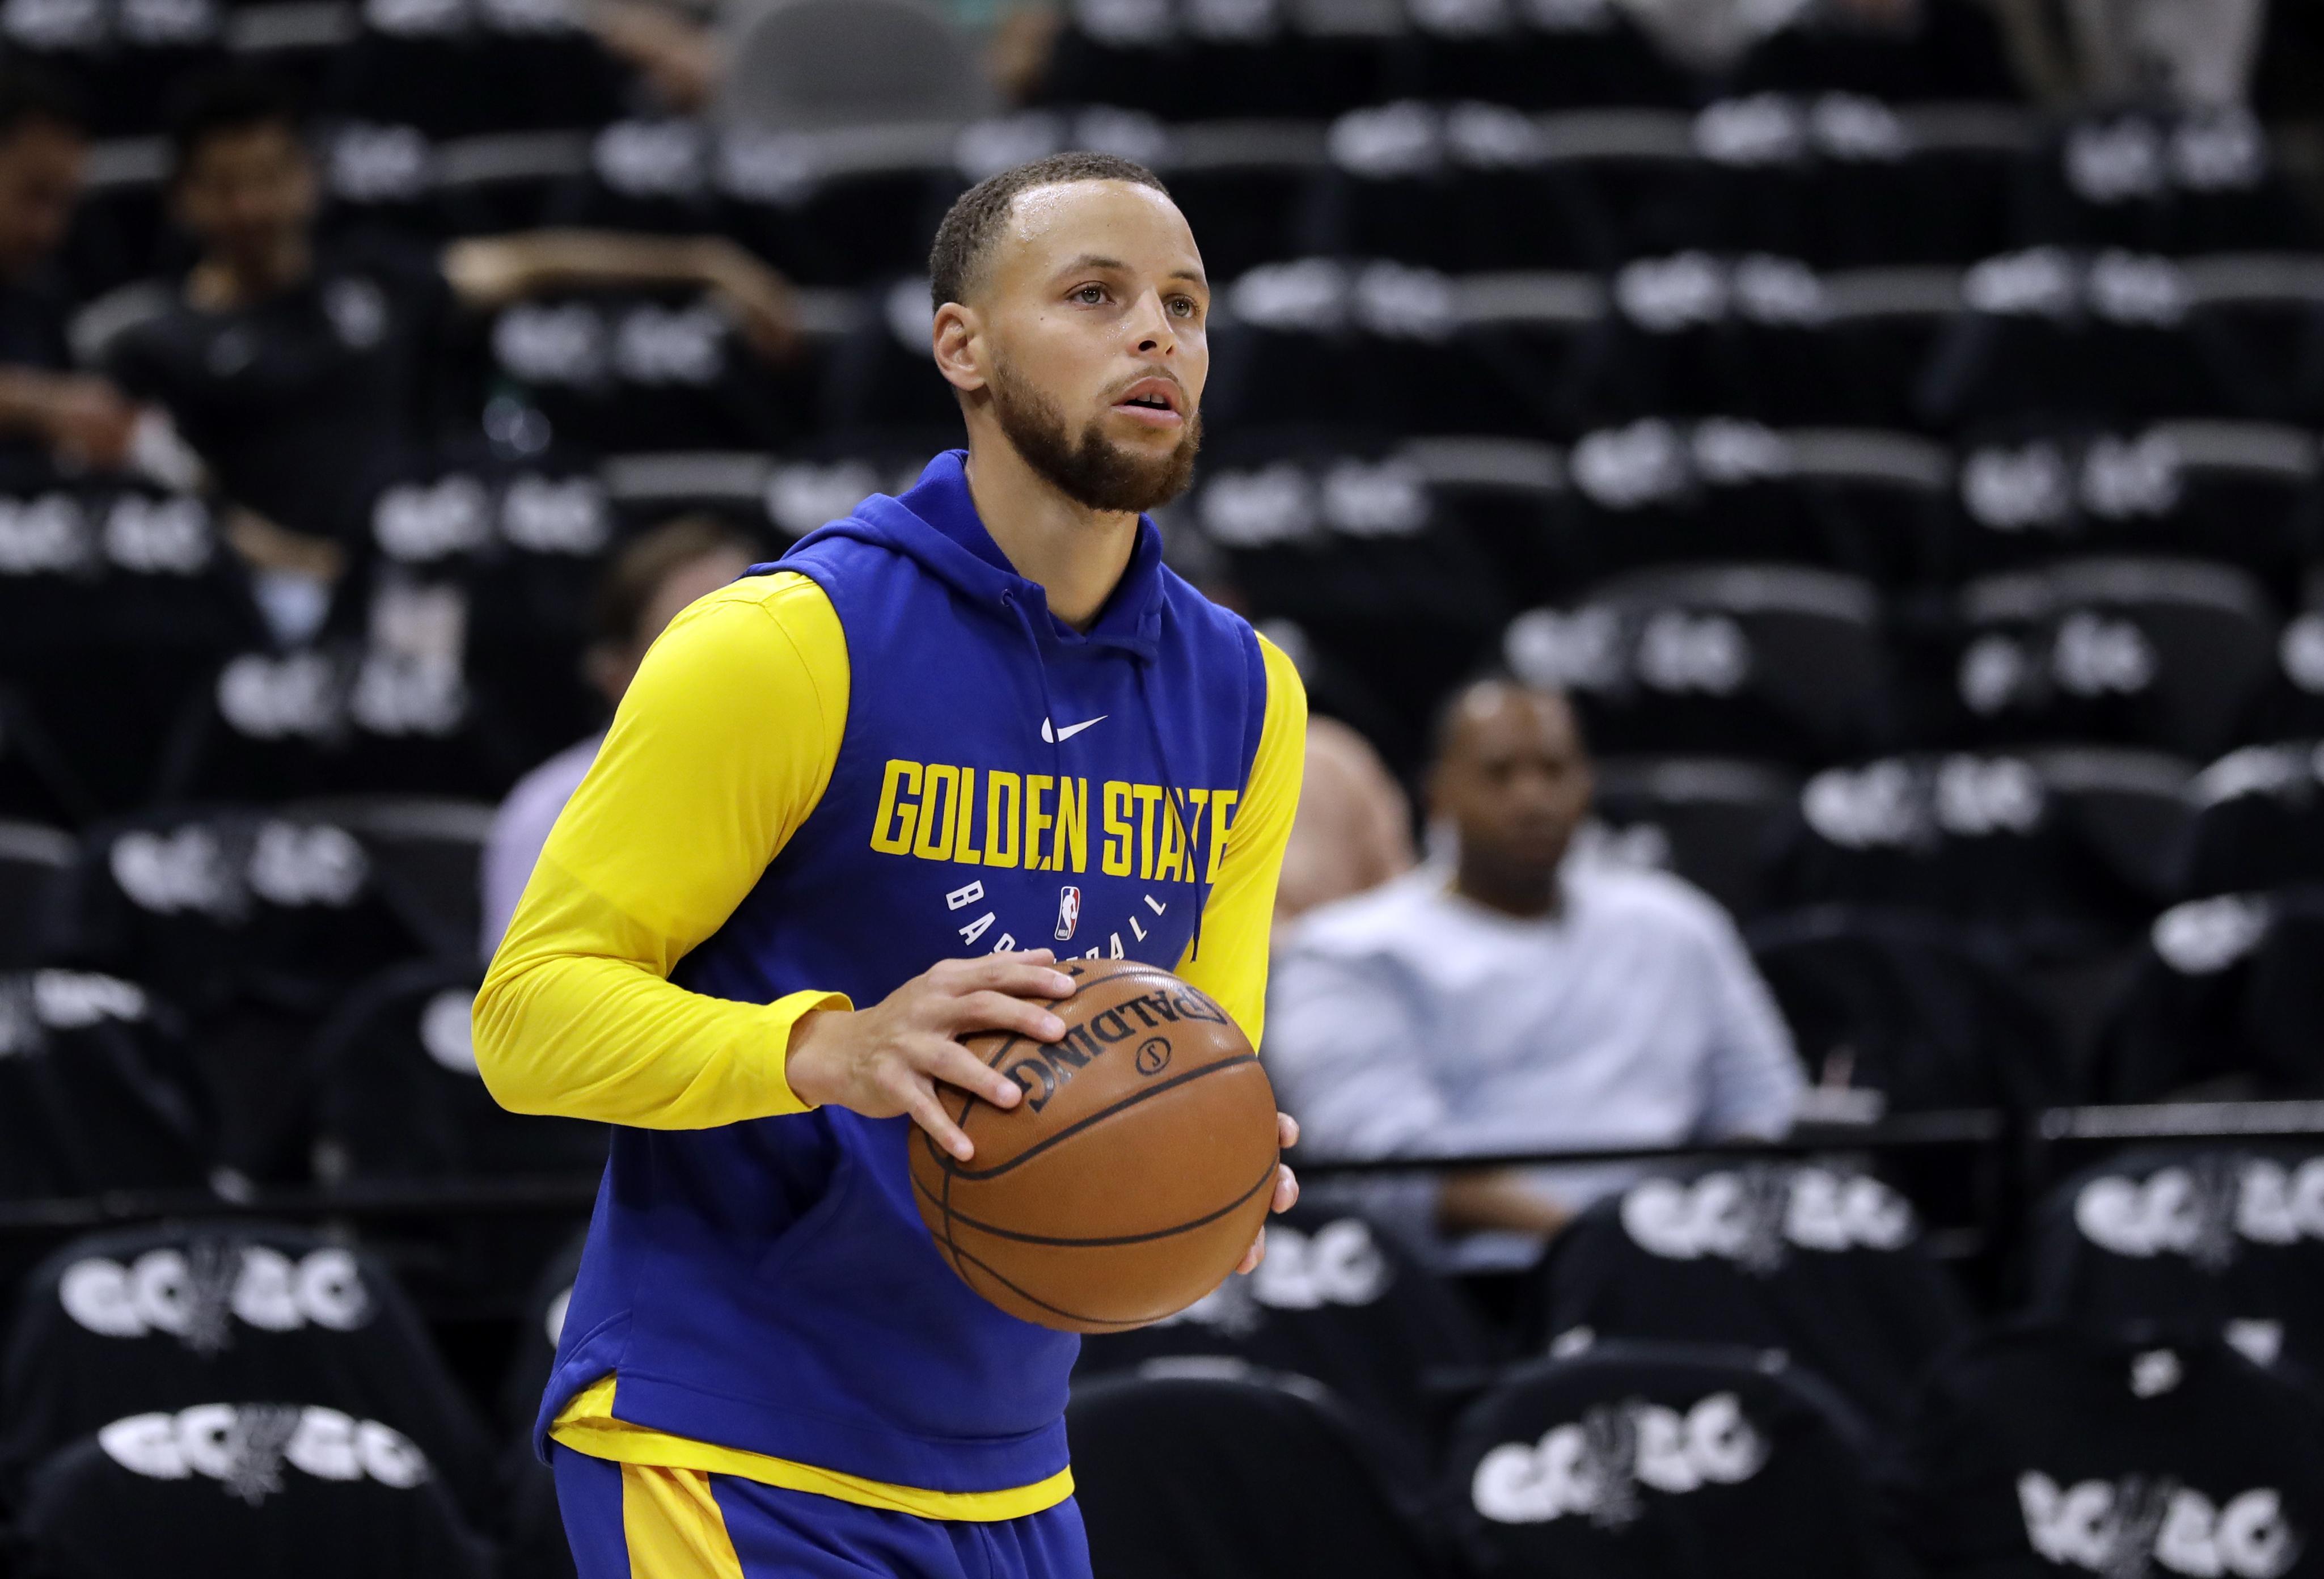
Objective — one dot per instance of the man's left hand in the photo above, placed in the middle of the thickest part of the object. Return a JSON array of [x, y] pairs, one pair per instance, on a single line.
[[1287, 1188]]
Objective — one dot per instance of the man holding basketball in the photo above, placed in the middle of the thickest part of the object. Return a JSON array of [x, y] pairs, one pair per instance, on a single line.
[[841, 800]]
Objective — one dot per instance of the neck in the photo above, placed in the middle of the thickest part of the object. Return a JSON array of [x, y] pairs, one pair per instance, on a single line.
[[1527, 894], [220, 283], [1076, 554]]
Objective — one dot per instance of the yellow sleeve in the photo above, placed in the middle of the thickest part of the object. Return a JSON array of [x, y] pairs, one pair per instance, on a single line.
[[723, 746], [1231, 963]]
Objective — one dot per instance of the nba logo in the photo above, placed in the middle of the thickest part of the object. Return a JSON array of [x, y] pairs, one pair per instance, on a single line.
[[1069, 911]]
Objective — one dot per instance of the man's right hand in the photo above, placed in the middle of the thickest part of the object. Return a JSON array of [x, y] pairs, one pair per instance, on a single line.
[[886, 1060]]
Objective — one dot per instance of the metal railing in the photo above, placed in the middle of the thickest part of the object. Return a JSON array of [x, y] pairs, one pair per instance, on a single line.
[[2019, 1141]]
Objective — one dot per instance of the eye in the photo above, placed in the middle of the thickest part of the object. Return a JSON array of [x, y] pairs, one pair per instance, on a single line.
[[1089, 295], [1184, 307]]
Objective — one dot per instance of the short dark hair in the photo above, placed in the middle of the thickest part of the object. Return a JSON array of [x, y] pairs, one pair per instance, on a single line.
[[650, 559], [29, 95], [966, 234], [236, 99], [1446, 716]]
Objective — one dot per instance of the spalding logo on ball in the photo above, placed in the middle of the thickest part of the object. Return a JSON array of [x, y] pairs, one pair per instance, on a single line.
[[1133, 1176]]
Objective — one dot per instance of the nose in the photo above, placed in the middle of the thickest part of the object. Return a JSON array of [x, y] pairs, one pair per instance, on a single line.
[[1151, 324]]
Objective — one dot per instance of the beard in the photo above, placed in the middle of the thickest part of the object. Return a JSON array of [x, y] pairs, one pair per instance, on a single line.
[[1091, 470]]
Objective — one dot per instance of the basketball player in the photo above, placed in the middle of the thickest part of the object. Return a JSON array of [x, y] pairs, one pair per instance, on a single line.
[[851, 809]]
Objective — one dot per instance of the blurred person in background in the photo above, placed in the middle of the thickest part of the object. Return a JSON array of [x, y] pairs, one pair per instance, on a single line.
[[81, 419], [831, 63], [300, 369], [1353, 830], [650, 583], [1521, 1001]]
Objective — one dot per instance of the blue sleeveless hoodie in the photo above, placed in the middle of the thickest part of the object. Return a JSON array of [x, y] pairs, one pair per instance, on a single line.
[[1003, 782]]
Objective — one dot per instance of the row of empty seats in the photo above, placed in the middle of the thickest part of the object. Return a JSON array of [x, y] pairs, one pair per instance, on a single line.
[[1758, 1369], [1837, 181], [285, 994]]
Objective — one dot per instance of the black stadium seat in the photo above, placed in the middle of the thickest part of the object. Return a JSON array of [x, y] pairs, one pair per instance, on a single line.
[[2225, 999], [1467, 188], [1222, 1470], [2038, 1451], [618, 374], [1355, 549], [451, 68], [36, 864], [2257, 821], [1822, 1261], [2207, 1242], [2203, 181], [398, 1098], [1911, 1007], [114, 604], [260, 1488], [1655, 492], [1715, 821], [1941, 50], [2061, 336], [37, 784], [253, 925], [427, 854], [1667, 1460], [2058, 852], [1729, 660], [1540, 54], [95, 1092], [1339, 1300], [2173, 654], [2240, 493], [1384, 348], [167, 1319]]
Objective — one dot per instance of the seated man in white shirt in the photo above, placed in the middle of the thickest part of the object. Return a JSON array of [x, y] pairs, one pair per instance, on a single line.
[[649, 584], [1527, 998]]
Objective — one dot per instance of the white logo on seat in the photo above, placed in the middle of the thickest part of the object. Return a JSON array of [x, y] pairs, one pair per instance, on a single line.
[[2118, 1527], [1755, 1217], [1339, 1264], [191, 1293], [2205, 1211], [557, 515], [1596, 1466], [244, 1447], [418, 521], [169, 537]]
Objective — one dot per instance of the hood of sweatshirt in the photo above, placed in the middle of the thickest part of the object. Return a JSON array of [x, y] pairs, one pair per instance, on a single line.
[[935, 525]]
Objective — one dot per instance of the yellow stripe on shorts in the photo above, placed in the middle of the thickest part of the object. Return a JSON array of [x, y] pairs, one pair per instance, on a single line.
[[674, 1527]]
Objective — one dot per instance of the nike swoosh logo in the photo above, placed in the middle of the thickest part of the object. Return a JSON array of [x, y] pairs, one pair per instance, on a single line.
[[1069, 730]]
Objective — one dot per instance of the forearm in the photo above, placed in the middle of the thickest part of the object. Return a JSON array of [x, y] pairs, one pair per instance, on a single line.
[[24, 394], [587, 1037], [1498, 1199], [492, 271]]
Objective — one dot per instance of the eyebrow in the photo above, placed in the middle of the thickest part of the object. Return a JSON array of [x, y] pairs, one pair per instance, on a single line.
[[1095, 260]]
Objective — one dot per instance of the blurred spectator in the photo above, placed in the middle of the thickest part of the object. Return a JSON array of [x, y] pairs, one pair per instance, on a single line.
[[812, 65], [1353, 831], [300, 369], [648, 584], [42, 147], [2195, 53], [1521, 1001]]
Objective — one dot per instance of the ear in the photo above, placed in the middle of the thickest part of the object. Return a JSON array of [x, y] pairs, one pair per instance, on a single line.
[[958, 341]]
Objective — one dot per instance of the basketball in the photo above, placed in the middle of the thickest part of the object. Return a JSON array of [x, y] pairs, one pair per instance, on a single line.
[[1132, 1177]]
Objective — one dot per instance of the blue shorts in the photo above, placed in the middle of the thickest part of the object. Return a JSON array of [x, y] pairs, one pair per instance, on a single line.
[[627, 1522]]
